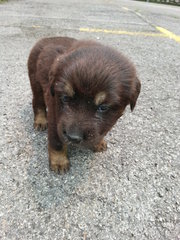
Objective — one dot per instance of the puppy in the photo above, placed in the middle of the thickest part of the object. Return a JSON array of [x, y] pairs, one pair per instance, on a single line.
[[85, 86]]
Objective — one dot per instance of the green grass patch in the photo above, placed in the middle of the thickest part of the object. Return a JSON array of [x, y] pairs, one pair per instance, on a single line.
[[1, 1]]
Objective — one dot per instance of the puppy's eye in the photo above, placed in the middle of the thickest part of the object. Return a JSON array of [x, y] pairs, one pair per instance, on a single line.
[[66, 99], [102, 108]]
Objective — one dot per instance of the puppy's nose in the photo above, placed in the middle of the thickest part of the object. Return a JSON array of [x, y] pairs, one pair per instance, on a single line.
[[74, 137]]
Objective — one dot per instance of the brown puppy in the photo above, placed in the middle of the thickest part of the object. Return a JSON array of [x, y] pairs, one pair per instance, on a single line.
[[85, 86]]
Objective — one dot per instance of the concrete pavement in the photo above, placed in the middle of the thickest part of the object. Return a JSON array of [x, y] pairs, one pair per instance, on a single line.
[[132, 191]]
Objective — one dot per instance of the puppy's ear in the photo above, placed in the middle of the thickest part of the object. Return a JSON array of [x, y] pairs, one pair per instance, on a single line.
[[55, 70], [52, 90], [135, 93], [51, 83]]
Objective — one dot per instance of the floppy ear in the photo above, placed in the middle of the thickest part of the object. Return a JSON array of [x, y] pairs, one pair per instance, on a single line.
[[53, 73], [51, 83], [55, 70], [135, 93]]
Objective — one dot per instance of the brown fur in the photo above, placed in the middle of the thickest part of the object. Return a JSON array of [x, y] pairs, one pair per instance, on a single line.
[[100, 98], [58, 159], [85, 86]]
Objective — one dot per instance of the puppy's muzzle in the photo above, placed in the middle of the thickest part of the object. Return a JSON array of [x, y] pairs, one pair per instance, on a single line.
[[74, 136]]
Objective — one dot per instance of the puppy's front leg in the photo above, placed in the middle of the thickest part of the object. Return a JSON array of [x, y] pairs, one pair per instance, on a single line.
[[58, 160]]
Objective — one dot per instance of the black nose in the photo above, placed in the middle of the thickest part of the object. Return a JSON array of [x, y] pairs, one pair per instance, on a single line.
[[74, 137]]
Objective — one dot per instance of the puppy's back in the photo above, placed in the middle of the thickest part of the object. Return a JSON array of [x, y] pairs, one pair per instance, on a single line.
[[40, 45]]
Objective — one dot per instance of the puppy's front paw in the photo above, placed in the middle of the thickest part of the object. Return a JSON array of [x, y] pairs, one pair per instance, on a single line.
[[40, 126], [61, 167], [102, 146], [40, 121], [59, 162]]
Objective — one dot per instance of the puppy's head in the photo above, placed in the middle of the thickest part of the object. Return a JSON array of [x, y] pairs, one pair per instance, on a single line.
[[92, 85]]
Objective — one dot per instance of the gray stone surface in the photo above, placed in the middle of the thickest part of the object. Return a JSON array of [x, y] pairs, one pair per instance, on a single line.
[[131, 191]]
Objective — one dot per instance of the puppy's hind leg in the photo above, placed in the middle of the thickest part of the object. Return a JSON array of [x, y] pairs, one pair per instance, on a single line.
[[39, 107]]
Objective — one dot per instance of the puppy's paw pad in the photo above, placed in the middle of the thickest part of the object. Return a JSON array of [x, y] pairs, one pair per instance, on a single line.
[[102, 146]]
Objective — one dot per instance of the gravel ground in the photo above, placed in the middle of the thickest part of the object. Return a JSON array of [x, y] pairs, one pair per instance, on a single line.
[[131, 191]]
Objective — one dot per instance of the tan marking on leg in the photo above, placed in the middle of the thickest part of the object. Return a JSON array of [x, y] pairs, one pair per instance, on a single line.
[[40, 120], [99, 98], [58, 160], [102, 146]]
